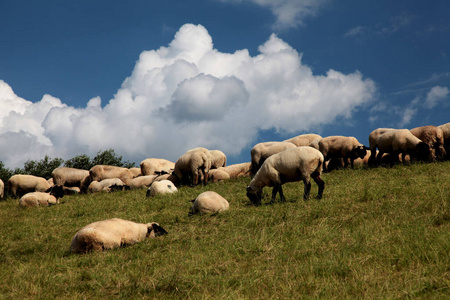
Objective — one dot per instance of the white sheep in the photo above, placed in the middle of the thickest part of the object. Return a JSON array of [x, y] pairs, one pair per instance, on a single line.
[[156, 166], [112, 233], [401, 141], [194, 165], [434, 137], [161, 187], [135, 172], [294, 164], [261, 151], [100, 172], [208, 202], [141, 181], [446, 130], [304, 139], [346, 147], [238, 170], [21, 184], [35, 199], [219, 174], [106, 185], [219, 159], [71, 177], [373, 137]]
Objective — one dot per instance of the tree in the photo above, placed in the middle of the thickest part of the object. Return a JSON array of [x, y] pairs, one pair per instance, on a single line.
[[42, 168], [109, 157], [79, 162]]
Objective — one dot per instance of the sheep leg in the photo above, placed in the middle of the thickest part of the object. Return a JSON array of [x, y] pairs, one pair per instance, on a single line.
[[321, 185], [275, 190], [307, 189], [280, 191]]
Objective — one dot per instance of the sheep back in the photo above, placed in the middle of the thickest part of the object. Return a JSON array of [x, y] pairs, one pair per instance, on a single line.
[[208, 202], [304, 139], [21, 184], [152, 166], [434, 137], [261, 151], [218, 159], [100, 172], [161, 187]]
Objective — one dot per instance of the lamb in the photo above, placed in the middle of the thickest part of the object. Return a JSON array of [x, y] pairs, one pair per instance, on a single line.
[[304, 139], [141, 181], [156, 166], [446, 131], [2, 189], [193, 165], [113, 233], [208, 202], [21, 184], [434, 137], [347, 147], [161, 187], [219, 159], [35, 199], [71, 177], [401, 141], [373, 137], [261, 151], [106, 185], [290, 165], [100, 172]]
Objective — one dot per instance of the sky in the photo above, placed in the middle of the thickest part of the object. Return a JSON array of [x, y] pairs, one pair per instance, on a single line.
[[156, 78]]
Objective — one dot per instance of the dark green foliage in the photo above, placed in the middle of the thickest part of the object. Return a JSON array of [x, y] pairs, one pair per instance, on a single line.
[[79, 162], [42, 168], [109, 157]]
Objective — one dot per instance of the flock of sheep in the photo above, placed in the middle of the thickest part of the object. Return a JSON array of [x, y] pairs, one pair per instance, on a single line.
[[272, 164]]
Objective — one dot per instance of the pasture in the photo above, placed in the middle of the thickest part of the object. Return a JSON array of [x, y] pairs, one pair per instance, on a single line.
[[377, 233]]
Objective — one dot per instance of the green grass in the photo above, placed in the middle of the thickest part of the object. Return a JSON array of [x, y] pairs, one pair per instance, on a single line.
[[377, 233]]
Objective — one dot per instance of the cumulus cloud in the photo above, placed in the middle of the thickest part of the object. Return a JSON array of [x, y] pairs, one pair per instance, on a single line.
[[185, 95], [436, 95]]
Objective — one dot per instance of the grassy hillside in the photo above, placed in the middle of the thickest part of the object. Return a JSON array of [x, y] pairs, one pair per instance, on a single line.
[[377, 233]]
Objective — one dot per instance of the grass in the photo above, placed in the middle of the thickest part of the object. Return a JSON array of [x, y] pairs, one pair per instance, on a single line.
[[377, 233]]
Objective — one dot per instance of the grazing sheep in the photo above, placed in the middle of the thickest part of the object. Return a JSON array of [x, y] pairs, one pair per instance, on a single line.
[[261, 151], [71, 177], [156, 166], [434, 137], [219, 159], [238, 170], [141, 181], [208, 202], [2, 189], [21, 184], [219, 174], [373, 137], [193, 165], [304, 139], [100, 172], [161, 187], [35, 199], [106, 185], [347, 147], [446, 130], [295, 164], [401, 141], [112, 233]]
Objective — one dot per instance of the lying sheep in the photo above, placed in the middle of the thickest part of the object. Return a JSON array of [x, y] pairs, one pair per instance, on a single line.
[[171, 177], [106, 185], [21, 184], [100, 172], [135, 172], [238, 170], [261, 151], [294, 164], [141, 181], [446, 131], [112, 233], [208, 202], [193, 165], [218, 159], [373, 137], [216, 175], [156, 166], [161, 187], [346, 147], [304, 139], [71, 190], [401, 141], [71, 177], [434, 137], [35, 199]]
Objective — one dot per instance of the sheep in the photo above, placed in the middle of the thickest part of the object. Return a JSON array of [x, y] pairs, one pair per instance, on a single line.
[[193, 165], [113, 233], [171, 177], [401, 141], [2, 189], [158, 166], [71, 190], [219, 159], [434, 137], [161, 187], [21, 184], [238, 170], [106, 185], [100, 172], [347, 147], [219, 174], [446, 131], [71, 177], [136, 172], [304, 139], [141, 181], [35, 199], [373, 137], [261, 151], [290, 165], [208, 202]]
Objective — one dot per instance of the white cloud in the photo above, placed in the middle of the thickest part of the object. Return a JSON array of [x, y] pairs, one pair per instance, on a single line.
[[183, 96], [436, 95]]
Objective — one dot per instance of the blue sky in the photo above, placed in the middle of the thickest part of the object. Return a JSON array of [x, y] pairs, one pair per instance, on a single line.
[[156, 78]]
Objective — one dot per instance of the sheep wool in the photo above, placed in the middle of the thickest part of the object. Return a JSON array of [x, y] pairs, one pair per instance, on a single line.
[[208, 202], [21, 184], [161, 187]]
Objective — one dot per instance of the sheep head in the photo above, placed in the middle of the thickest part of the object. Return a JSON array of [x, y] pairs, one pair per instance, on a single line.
[[254, 196], [154, 230]]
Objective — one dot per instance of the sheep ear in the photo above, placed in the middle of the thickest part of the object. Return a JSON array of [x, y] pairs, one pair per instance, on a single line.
[[249, 188], [158, 230]]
